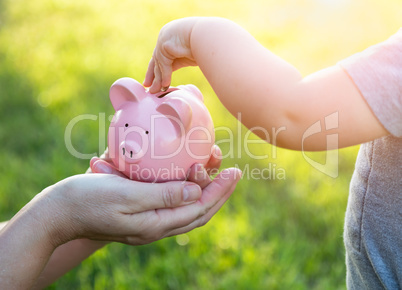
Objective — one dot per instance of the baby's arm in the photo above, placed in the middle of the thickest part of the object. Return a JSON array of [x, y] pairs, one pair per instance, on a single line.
[[268, 91]]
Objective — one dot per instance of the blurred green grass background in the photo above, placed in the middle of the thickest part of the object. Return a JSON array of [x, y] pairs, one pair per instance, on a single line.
[[57, 61]]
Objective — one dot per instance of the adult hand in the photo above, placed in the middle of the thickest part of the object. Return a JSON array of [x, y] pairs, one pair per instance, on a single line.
[[103, 207], [110, 207], [162, 213], [70, 254]]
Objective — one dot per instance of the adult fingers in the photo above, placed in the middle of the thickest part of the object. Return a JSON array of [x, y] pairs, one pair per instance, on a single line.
[[141, 196], [199, 175], [224, 182], [214, 161], [152, 225], [214, 193], [202, 220], [105, 156], [99, 165]]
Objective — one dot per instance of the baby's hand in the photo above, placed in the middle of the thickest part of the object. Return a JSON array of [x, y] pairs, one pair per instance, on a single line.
[[172, 51]]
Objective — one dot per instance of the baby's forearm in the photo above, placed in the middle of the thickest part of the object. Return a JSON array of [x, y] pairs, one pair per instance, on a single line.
[[246, 77], [272, 96], [267, 93]]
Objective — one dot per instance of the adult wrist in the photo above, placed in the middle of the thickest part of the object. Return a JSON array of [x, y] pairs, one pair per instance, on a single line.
[[29, 231], [54, 211]]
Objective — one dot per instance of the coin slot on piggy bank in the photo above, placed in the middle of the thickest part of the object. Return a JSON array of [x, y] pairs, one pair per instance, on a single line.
[[167, 92]]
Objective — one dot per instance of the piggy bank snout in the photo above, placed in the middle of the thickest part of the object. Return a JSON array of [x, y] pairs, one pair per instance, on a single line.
[[131, 151]]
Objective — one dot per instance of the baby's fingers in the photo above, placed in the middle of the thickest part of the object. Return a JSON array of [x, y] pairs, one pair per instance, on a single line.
[[149, 76], [199, 175], [160, 82], [156, 84]]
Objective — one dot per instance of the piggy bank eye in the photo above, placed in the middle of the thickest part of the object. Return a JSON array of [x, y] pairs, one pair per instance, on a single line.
[[126, 125], [146, 132]]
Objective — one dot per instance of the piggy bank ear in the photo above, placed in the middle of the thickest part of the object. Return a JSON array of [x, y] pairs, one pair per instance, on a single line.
[[178, 111], [125, 90], [193, 90]]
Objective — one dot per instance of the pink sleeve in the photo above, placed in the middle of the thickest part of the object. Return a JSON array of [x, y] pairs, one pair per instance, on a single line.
[[377, 72]]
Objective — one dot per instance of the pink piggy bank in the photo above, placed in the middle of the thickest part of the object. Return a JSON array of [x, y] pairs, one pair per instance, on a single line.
[[158, 137]]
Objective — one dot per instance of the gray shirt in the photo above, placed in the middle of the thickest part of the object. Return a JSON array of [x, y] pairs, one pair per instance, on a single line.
[[373, 223]]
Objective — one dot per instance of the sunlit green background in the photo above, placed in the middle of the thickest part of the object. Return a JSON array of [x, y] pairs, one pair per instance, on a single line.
[[57, 61]]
